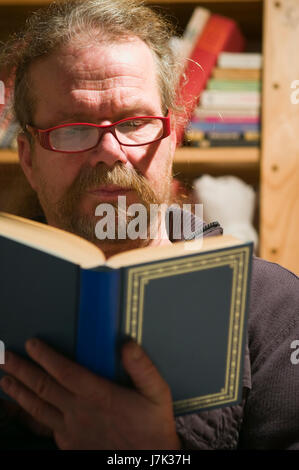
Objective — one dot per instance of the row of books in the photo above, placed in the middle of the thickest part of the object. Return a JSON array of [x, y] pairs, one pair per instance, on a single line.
[[228, 113], [220, 87]]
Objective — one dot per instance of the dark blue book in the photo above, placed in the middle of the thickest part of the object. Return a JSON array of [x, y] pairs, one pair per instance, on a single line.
[[185, 303], [223, 127]]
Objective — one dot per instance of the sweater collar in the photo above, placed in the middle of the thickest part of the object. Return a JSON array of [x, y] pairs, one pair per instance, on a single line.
[[181, 225]]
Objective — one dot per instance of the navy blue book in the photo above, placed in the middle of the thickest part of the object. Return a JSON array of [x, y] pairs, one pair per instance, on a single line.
[[184, 303]]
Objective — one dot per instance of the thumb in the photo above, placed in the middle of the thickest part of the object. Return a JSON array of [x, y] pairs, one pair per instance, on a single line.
[[145, 375]]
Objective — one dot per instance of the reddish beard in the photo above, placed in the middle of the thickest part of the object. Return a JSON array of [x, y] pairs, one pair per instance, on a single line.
[[66, 211]]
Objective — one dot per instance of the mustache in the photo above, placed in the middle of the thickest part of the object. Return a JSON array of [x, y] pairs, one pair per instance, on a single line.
[[89, 179]]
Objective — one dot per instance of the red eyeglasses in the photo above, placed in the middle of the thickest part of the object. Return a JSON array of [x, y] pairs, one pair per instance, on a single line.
[[82, 136]]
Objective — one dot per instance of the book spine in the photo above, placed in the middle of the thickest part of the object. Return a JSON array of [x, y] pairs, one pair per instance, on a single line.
[[6, 89], [197, 138], [240, 61], [226, 120], [217, 143], [5, 123], [194, 29], [234, 99], [233, 85], [219, 34], [240, 74], [98, 319], [9, 134], [223, 127], [222, 113]]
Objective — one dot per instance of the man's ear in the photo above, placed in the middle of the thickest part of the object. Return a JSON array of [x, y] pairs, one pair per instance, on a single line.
[[173, 136], [25, 156]]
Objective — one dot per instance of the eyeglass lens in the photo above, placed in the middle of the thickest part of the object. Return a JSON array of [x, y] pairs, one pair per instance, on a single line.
[[132, 132]]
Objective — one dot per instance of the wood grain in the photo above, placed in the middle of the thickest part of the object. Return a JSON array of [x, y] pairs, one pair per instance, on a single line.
[[280, 148]]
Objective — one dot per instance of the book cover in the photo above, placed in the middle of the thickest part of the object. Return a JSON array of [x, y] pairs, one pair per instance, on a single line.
[[219, 34], [187, 308]]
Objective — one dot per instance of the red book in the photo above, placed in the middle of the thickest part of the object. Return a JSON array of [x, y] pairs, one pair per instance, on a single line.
[[220, 34]]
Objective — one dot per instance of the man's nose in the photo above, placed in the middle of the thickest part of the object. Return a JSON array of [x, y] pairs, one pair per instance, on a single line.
[[108, 151]]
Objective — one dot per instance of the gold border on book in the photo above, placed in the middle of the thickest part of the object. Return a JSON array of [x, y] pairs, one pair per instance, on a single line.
[[237, 259]]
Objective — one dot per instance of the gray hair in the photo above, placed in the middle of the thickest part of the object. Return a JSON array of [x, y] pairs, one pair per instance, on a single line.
[[99, 20]]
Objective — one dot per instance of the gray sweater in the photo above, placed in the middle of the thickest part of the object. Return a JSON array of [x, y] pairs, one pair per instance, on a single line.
[[268, 417]]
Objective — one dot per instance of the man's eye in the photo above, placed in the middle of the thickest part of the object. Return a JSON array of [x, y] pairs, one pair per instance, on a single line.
[[76, 130], [131, 124]]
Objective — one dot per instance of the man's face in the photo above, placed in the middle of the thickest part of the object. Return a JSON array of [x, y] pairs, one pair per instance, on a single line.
[[97, 84]]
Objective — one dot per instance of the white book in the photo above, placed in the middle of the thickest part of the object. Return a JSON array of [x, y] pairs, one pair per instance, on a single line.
[[194, 29], [226, 113], [230, 100], [236, 60]]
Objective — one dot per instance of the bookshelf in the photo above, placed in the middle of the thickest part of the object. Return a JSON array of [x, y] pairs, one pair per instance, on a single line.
[[273, 169]]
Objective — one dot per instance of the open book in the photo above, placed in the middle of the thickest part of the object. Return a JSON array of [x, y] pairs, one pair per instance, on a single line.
[[185, 305]]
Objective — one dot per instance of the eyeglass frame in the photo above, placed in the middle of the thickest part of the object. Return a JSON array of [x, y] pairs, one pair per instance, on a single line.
[[43, 135]]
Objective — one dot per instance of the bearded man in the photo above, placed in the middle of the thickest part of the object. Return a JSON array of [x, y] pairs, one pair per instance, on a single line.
[[94, 95]]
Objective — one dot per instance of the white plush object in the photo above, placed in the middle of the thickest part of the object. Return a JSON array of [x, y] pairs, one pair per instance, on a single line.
[[231, 202]]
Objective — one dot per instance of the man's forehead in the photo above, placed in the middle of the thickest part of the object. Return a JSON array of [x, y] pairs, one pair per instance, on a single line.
[[99, 66], [96, 75]]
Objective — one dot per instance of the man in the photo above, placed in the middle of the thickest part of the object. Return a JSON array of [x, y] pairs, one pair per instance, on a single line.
[[107, 62]]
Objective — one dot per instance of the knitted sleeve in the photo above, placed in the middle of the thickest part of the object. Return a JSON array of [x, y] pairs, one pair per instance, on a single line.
[[268, 417], [271, 419]]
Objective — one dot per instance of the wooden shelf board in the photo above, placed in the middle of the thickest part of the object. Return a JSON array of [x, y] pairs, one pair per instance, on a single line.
[[8, 157], [189, 163], [233, 156], [228, 155]]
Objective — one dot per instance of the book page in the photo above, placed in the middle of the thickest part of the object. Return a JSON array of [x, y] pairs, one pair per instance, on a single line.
[[51, 240], [148, 254]]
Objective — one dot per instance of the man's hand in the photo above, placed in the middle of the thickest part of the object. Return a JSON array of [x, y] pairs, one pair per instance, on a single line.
[[12, 412], [85, 411]]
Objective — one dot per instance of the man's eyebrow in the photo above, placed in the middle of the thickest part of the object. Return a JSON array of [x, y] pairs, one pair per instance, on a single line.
[[63, 117]]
